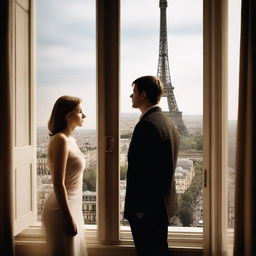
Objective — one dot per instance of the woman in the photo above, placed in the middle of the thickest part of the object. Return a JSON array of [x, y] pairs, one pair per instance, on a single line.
[[62, 214]]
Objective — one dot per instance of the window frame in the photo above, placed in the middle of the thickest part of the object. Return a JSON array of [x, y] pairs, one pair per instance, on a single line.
[[108, 21], [214, 131], [215, 36]]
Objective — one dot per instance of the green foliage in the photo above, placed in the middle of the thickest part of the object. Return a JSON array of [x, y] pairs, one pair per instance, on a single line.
[[89, 180], [185, 209], [187, 205], [186, 197], [126, 136], [185, 216], [186, 200], [198, 166], [123, 172], [194, 143]]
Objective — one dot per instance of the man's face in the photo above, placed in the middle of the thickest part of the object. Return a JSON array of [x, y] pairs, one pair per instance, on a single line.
[[136, 97]]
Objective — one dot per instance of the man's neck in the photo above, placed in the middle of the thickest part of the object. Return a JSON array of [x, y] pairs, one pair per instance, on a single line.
[[145, 107], [145, 111]]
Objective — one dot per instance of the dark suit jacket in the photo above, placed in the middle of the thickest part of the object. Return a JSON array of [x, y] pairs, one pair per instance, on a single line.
[[152, 158]]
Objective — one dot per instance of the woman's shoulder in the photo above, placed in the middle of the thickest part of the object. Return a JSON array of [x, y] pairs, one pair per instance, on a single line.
[[58, 139]]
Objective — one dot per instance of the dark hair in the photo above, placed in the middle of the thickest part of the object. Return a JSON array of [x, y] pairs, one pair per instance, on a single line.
[[152, 86], [63, 106]]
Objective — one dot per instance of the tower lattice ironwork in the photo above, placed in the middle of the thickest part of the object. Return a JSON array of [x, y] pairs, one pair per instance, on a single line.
[[163, 72]]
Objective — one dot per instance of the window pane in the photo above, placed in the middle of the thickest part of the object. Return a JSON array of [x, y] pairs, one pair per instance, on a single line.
[[66, 66], [140, 56], [234, 21]]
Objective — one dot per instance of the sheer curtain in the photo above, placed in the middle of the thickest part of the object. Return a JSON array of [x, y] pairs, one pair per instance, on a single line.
[[6, 233], [245, 205]]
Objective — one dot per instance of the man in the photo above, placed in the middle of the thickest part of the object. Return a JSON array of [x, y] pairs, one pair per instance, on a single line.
[[151, 194]]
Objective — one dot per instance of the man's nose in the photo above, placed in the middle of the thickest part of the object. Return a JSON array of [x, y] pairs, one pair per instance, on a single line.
[[84, 116], [131, 95]]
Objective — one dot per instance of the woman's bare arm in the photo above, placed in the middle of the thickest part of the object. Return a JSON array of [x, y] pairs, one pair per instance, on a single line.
[[58, 152]]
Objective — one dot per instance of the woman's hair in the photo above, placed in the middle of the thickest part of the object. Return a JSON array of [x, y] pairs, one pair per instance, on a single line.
[[63, 106], [152, 86]]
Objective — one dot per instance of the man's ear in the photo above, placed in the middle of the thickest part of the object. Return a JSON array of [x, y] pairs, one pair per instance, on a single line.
[[143, 95], [67, 116]]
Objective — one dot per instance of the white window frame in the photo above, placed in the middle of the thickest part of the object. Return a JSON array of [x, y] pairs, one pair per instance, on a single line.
[[211, 241], [215, 125]]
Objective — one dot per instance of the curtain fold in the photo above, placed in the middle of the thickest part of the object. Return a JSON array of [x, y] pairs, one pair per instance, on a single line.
[[6, 225], [245, 203]]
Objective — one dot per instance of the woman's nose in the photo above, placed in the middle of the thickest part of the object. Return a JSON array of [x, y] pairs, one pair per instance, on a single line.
[[131, 95], [84, 116]]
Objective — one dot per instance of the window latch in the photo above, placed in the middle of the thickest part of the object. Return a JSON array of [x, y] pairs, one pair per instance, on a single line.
[[110, 141]]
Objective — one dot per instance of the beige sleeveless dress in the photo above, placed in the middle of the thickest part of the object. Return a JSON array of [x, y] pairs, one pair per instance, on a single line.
[[59, 241]]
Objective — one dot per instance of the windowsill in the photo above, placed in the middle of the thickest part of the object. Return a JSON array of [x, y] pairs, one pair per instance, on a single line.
[[179, 237]]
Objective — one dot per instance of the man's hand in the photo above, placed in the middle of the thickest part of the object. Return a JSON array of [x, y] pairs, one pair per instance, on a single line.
[[139, 215]]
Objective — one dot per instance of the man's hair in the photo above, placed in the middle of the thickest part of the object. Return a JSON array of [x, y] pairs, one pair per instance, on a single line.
[[63, 106], [152, 86]]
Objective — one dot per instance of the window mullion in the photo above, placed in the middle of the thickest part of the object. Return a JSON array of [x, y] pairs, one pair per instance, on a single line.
[[108, 116], [215, 116]]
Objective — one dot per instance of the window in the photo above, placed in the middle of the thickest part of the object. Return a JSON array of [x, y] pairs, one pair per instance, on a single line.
[[108, 184], [66, 65], [139, 56], [234, 17]]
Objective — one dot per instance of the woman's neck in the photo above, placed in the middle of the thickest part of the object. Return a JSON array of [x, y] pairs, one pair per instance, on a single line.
[[69, 131]]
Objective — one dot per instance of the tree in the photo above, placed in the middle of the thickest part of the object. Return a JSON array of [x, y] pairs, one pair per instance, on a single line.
[[123, 172], [126, 135], [185, 216], [194, 142], [187, 200], [187, 197], [199, 142], [89, 180]]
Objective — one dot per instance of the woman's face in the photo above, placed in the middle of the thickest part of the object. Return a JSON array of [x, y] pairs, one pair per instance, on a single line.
[[76, 117]]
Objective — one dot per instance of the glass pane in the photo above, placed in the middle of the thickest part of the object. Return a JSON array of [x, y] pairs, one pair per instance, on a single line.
[[66, 65], [140, 55], [234, 21]]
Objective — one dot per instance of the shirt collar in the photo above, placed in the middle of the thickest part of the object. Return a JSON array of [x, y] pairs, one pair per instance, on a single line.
[[153, 106]]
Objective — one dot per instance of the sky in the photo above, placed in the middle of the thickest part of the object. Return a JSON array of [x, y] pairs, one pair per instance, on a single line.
[[66, 53]]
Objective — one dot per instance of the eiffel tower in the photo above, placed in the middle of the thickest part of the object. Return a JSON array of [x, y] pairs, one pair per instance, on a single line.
[[163, 72]]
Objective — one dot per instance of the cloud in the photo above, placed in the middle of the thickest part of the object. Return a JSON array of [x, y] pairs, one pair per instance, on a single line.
[[69, 25], [66, 42], [48, 94], [64, 59], [66, 51], [66, 55]]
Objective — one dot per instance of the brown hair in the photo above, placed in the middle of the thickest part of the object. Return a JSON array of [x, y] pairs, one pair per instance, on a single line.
[[152, 86], [63, 106]]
